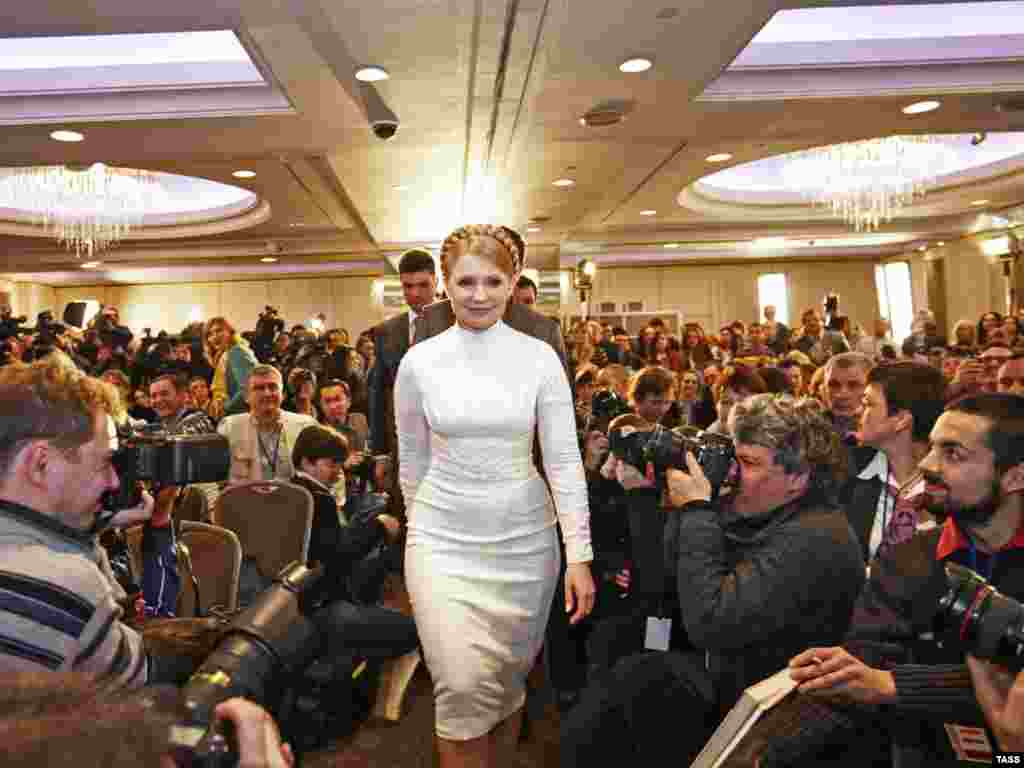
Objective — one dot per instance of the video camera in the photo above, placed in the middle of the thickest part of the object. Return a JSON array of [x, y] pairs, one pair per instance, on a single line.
[[148, 454], [639, 443], [268, 325], [110, 334], [262, 649], [981, 620]]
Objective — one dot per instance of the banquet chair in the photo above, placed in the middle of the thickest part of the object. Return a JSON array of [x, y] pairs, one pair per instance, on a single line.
[[210, 558]]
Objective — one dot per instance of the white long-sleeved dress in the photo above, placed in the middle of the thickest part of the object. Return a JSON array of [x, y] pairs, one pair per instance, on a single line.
[[482, 556]]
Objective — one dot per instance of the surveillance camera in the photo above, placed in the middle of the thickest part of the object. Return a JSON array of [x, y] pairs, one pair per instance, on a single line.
[[384, 129], [382, 120]]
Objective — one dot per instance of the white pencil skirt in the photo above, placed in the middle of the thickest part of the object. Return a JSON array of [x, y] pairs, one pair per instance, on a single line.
[[481, 611]]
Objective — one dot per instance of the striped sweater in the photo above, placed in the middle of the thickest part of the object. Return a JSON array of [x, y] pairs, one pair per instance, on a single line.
[[58, 603]]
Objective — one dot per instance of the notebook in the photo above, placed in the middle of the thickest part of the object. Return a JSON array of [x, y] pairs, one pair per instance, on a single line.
[[754, 702]]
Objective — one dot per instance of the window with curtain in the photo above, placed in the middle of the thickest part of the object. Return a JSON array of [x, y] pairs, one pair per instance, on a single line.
[[771, 289], [895, 297]]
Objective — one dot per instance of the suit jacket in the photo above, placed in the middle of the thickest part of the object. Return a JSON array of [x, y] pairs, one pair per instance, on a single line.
[[391, 340], [439, 317], [859, 498]]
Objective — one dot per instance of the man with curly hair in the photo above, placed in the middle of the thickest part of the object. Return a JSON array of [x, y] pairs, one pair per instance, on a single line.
[[759, 571]]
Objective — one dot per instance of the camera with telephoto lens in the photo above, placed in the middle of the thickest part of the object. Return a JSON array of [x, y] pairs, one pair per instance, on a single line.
[[639, 443], [148, 454], [268, 325], [604, 407], [975, 616], [261, 651]]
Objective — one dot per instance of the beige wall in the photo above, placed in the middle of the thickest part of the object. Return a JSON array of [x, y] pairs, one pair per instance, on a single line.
[[346, 302], [974, 285], [715, 294], [30, 299]]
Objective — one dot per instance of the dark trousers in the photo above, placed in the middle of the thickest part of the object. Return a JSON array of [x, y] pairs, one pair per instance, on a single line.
[[648, 705], [366, 631]]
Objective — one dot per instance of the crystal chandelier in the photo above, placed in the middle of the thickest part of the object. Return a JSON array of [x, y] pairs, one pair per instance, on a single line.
[[867, 182], [87, 208]]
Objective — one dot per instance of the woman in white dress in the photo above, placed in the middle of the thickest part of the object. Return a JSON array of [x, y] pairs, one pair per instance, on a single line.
[[482, 555]]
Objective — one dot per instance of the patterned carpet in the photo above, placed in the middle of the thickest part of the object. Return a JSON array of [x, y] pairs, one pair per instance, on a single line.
[[409, 743]]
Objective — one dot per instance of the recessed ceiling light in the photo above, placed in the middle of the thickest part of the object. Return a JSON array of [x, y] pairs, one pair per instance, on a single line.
[[90, 264], [243, 174], [922, 247], [769, 242], [648, 212], [919, 107], [400, 187], [269, 259], [296, 224], [670, 245], [941, 243], [67, 136], [563, 182], [721, 157], [979, 202], [372, 74], [533, 229], [636, 65]]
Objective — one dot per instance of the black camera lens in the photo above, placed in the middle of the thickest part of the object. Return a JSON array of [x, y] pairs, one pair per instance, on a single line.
[[977, 617]]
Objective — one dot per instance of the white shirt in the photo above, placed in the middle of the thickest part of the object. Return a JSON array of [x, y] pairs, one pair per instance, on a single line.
[[413, 317], [879, 469], [466, 405]]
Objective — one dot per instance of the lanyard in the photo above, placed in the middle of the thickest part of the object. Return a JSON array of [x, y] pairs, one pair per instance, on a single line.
[[266, 453], [972, 552]]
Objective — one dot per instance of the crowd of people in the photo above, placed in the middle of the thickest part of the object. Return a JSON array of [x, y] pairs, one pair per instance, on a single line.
[[859, 467]]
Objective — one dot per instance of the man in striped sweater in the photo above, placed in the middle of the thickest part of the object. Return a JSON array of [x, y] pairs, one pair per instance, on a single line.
[[59, 600]]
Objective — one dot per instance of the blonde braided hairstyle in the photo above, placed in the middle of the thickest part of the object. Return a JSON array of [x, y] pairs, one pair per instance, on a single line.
[[468, 235]]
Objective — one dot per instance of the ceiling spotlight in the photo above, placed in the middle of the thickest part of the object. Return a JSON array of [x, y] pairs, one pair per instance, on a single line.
[[648, 212], [269, 259], [296, 224], [400, 187], [371, 74], [979, 202], [721, 157], [769, 242], [90, 264], [533, 229], [922, 247], [941, 243], [670, 245], [919, 107], [563, 182], [67, 136], [635, 65], [243, 174]]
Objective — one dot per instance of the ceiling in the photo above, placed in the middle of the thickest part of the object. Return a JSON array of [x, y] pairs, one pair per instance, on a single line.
[[488, 89]]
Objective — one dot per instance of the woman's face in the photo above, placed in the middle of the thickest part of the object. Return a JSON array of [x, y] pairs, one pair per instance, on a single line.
[[661, 344], [795, 375], [964, 334], [989, 321], [692, 338], [479, 291], [688, 387], [220, 336], [365, 347]]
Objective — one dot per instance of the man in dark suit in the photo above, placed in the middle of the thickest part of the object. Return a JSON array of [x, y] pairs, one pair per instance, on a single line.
[[392, 340], [365, 629]]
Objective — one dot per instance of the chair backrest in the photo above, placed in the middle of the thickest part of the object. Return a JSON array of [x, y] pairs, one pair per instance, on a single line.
[[273, 521], [215, 559], [192, 505]]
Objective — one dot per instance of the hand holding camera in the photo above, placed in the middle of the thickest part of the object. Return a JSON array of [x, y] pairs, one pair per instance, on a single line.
[[692, 485]]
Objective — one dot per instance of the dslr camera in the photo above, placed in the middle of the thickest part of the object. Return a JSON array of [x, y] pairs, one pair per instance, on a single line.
[[975, 616], [638, 444], [605, 406], [148, 454]]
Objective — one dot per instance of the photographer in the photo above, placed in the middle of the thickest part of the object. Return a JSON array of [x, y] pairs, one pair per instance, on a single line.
[[760, 572], [61, 609], [898, 669]]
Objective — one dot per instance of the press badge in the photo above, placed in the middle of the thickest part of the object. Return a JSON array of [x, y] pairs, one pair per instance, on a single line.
[[658, 633]]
